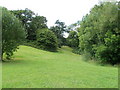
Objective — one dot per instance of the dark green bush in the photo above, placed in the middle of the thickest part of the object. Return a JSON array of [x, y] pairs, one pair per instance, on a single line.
[[72, 39], [109, 50], [76, 50], [46, 40]]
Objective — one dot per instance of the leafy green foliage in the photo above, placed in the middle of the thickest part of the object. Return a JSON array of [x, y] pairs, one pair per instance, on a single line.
[[72, 39], [31, 22], [46, 40], [0, 32], [99, 34], [25, 16], [73, 26], [12, 33], [38, 22], [59, 29]]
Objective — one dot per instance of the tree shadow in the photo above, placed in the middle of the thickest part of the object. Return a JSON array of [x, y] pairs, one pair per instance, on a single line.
[[13, 61]]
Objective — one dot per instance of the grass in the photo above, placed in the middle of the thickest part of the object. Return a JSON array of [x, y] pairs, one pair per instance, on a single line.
[[0, 74], [33, 68]]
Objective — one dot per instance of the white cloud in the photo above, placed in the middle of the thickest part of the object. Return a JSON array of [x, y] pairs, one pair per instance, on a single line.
[[68, 11]]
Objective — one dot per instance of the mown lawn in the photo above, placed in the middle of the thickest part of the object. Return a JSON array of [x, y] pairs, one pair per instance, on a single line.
[[33, 68], [0, 75]]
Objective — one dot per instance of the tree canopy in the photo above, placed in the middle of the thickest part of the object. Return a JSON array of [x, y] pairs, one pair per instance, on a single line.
[[46, 39], [99, 33], [12, 33], [73, 40], [59, 29], [30, 21]]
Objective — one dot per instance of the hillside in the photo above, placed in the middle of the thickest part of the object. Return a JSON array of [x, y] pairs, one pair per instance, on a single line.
[[33, 68]]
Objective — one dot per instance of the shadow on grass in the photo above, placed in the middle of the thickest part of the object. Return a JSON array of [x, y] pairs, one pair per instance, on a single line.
[[14, 61]]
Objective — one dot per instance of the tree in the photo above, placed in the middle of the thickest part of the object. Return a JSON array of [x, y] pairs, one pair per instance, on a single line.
[[46, 39], [72, 39], [25, 16], [31, 22], [59, 29], [99, 33], [109, 34], [12, 33], [0, 47], [38, 22], [73, 27]]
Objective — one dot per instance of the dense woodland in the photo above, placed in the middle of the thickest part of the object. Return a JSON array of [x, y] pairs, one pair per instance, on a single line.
[[97, 35]]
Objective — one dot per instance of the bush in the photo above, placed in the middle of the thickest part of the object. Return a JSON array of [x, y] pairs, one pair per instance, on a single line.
[[12, 33], [76, 50], [109, 52], [72, 39], [46, 40]]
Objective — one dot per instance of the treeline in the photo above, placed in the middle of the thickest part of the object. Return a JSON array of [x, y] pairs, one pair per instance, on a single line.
[[96, 36], [99, 33], [35, 24], [26, 27]]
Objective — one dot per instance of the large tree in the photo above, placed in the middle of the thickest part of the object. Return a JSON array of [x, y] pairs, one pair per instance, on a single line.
[[12, 33], [30, 21], [38, 22], [25, 16], [99, 34], [59, 29]]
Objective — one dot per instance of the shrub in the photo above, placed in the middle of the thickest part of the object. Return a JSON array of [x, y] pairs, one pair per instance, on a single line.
[[76, 50], [72, 39], [46, 40]]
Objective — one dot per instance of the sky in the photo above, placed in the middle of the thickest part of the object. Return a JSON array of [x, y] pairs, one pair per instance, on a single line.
[[68, 11]]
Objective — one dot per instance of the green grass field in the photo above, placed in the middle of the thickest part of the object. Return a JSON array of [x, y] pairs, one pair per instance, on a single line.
[[33, 68], [0, 75]]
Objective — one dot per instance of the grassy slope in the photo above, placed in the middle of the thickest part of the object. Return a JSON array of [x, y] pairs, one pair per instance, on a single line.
[[35, 68], [0, 74]]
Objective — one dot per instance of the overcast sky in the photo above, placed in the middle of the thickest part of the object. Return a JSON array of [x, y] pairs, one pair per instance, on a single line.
[[68, 11]]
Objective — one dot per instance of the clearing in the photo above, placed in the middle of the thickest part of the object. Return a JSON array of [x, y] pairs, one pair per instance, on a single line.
[[33, 68]]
